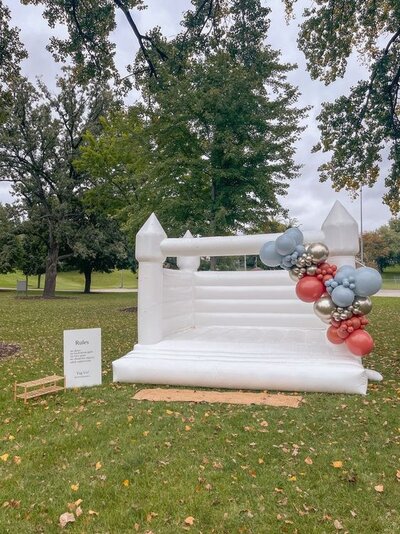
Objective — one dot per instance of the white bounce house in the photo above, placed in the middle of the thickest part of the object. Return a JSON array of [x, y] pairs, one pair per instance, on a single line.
[[239, 330]]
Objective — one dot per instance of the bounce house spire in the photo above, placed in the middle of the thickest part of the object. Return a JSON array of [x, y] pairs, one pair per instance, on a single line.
[[341, 235]]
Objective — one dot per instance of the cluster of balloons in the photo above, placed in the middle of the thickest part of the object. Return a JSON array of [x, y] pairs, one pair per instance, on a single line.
[[346, 304], [289, 252], [340, 296]]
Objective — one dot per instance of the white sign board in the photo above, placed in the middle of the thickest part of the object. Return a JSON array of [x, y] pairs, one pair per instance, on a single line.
[[82, 357]]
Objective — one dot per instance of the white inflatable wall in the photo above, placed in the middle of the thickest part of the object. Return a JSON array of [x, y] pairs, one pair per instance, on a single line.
[[235, 329]]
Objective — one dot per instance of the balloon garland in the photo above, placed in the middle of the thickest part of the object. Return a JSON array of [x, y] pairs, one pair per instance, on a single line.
[[340, 296]]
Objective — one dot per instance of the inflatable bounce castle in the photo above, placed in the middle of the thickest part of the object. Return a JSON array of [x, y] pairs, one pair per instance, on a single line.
[[232, 329]]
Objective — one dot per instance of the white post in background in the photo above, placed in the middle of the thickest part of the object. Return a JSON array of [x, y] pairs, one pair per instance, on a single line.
[[188, 263], [341, 236], [150, 282]]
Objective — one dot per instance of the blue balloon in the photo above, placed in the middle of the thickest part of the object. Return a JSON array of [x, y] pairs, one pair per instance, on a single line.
[[300, 249], [367, 282], [344, 272], [342, 296], [285, 244], [286, 264], [269, 256], [295, 234]]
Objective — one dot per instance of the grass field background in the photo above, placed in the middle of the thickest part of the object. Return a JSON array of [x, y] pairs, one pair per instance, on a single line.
[[330, 466], [74, 281]]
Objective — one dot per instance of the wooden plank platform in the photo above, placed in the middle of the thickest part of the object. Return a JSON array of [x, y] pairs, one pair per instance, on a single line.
[[41, 381], [38, 392], [225, 397], [42, 386]]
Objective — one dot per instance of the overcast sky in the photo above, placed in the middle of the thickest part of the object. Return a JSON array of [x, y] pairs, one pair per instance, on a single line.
[[308, 200]]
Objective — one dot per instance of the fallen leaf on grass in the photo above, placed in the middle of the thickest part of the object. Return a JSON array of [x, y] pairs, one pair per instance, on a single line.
[[12, 503], [92, 512], [125, 483], [338, 525], [308, 461], [337, 463], [379, 488], [75, 487], [78, 511], [151, 516], [98, 466], [66, 518], [187, 428], [189, 520], [72, 506], [130, 418], [398, 475], [17, 459], [4, 457]]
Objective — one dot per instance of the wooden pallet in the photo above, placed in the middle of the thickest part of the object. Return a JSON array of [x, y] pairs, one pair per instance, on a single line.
[[42, 386]]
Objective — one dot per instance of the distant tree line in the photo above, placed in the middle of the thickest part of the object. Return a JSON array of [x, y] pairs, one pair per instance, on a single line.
[[382, 246]]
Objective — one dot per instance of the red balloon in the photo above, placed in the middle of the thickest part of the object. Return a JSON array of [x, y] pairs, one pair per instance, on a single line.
[[332, 335], [342, 332], [309, 288], [360, 343]]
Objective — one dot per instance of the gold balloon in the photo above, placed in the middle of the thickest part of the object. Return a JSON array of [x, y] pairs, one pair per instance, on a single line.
[[363, 304], [323, 308], [294, 276], [318, 251]]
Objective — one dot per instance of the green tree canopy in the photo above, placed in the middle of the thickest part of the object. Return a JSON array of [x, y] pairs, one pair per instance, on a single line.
[[358, 128], [382, 246], [10, 246], [38, 143], [213, 139]]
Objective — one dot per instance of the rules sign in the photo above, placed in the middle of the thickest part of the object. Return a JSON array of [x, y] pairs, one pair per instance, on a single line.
[[82, 357]]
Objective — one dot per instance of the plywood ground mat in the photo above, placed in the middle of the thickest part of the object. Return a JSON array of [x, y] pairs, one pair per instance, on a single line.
[[224, 397]]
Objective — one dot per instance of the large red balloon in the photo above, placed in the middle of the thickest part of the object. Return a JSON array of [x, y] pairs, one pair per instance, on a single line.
[[309, 288], [333, 337], [360, 342]]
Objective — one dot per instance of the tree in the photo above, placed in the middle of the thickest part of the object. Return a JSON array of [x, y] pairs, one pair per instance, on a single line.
[[213, 138], [12, 53], [38, 144], [100, 246], [382, 247], [357, 128], [10, 247]]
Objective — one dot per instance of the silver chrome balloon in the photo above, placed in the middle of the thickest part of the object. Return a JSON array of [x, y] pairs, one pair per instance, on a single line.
[[311, 270], [294, 275], [318, 251], [362, 305], [324, 307]]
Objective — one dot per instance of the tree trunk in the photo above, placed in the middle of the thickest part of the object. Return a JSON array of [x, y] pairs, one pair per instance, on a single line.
[[39, 277], [88, 279], [51, 271]]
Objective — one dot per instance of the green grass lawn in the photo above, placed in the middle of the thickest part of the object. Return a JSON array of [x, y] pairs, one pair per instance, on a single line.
[[74, 281], [391, 278], [144, 467]]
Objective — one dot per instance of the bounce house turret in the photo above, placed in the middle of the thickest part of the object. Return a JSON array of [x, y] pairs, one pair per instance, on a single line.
[[341, 236]]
